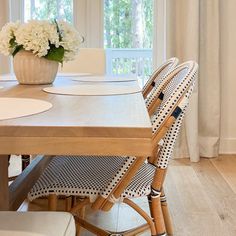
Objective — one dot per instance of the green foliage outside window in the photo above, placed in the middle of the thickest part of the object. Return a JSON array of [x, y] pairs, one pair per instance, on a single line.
[[120, 30], [49, 9]]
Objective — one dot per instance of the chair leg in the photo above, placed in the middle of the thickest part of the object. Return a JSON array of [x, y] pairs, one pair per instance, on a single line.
[[25, 160], [79, 210], [68, 203], [79, 206], [142, 213], [166, 214], [155, 209], [52, 202], [74, 201], [157, 215], [9, 157], [149, 198], [81, 215]]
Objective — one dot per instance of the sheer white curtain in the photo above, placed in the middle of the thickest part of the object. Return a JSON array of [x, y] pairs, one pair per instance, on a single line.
[[192, 33], [4, 10]]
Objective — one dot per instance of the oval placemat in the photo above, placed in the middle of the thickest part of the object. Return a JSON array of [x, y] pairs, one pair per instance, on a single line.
[[72, 74], [98, 89], [103, 79], [20, 107]]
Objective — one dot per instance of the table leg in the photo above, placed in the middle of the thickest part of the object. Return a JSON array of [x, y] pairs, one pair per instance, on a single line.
[[4, 190]]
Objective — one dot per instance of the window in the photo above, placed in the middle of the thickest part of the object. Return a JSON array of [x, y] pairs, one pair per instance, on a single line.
[[109, 24], [48, 9], [128, 36]]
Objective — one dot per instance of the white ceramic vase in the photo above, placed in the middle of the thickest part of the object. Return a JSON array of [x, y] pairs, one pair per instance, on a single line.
[[30, 69]]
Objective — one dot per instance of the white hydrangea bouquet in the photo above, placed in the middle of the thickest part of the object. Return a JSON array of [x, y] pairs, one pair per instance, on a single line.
[[54, 40]]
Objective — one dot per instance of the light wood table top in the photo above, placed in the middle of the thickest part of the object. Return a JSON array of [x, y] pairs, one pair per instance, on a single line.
[[75, 125], [104, 125]]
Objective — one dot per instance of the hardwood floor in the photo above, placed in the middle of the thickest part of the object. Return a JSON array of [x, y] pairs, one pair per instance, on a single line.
[[201, 200], [201, 197]]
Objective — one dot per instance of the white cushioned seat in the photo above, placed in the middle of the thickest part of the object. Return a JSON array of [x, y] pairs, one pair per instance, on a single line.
[[88, 60], [36, 224]]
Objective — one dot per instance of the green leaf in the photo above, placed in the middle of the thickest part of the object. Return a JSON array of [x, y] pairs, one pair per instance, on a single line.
[[13, 42], [55, 54], [17, 49]]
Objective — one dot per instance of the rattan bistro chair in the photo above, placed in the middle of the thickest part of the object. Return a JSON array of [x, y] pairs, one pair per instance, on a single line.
[[158, 74], [106, 180]]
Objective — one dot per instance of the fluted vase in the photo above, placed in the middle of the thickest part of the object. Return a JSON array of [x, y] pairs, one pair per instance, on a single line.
[[31, 69]]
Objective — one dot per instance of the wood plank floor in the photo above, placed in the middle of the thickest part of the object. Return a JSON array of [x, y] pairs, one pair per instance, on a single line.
[[201, 196]]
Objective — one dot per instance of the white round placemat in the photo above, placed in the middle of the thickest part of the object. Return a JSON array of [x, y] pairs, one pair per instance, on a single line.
[[19, 107], [103, 79], [99, 89], [72, 74], [1, 87], [4, 78]]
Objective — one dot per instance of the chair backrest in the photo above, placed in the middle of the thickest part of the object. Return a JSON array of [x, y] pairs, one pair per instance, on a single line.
[[88, 60], [156, 94], [173, 107], [167, 146], [158, 75], [174, 103]]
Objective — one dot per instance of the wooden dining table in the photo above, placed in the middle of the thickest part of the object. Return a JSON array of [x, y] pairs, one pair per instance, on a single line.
[[75, 125]]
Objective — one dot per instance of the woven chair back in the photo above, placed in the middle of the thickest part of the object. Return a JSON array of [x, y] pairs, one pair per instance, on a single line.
[[159, 74], [175, 102]]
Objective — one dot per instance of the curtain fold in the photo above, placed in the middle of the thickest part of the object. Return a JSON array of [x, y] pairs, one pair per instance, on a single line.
[[4, 18], [193, 34]]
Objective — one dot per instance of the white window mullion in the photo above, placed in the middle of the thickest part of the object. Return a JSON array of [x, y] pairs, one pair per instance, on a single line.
[[95, 22], [32, 8], [16, 10], [79, 18], [88, 19]]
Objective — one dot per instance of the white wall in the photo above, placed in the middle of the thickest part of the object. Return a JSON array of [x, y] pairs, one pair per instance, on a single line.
[[228, 63]]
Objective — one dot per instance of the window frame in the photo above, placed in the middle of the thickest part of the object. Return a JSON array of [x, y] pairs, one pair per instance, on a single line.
[[159, 33], [17, 10]]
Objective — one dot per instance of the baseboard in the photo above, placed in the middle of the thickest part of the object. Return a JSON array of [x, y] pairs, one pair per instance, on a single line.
[[228, 146]]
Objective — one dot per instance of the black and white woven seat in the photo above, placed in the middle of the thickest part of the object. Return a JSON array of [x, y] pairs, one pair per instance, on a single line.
[[158, 75], [95, 176]]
